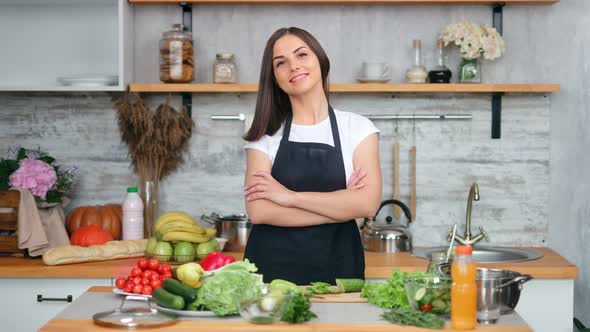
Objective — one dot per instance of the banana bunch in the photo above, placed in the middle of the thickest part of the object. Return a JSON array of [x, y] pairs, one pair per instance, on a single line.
[[176, 226]]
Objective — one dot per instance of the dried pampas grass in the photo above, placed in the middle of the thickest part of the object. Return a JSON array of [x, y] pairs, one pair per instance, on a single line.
[[156, 142]]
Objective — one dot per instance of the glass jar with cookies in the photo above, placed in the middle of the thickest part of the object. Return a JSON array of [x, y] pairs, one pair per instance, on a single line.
[[177, 63]]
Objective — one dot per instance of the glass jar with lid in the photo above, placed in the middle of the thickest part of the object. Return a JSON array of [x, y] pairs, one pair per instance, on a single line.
[[225, 69], [177, 63]]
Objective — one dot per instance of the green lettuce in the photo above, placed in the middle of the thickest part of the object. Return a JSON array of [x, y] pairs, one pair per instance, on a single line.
[[223, 290], [388, 294]]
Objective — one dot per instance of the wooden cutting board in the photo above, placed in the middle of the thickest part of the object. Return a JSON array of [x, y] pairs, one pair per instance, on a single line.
[[339, 298]]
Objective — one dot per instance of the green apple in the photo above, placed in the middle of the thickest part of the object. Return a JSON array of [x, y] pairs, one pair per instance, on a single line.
[[184, 252], [163, 251]]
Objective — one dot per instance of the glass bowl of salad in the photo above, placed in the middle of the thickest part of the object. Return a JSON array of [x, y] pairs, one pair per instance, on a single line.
[[265, 309], [430, 293]]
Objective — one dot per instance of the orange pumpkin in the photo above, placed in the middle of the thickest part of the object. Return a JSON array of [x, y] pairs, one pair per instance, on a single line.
[[107, 216], [87, 236]]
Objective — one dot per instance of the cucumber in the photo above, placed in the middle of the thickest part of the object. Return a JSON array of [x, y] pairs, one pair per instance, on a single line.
[[178, 288], [168, 300], [350, 285], [419, 294]]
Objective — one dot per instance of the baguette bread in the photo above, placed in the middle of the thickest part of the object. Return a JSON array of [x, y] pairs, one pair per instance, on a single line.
[[100, 252]]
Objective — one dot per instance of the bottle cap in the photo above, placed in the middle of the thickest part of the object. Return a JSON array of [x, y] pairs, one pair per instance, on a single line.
[[417, 43], [440, 44], [132, 189], [464, 250]]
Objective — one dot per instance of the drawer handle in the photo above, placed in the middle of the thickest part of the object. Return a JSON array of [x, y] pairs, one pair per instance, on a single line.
[[40, 298]]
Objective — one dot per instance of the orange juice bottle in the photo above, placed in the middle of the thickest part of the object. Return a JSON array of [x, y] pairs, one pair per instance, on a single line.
[[463, 290]]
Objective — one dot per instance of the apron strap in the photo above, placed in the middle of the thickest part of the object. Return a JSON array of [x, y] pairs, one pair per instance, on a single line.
[[334, 125]]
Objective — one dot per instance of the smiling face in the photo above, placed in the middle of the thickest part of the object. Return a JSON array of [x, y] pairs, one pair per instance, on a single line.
[[296, 68]]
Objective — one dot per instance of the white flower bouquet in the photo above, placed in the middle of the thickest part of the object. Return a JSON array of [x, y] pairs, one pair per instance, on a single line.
[[474, 40]]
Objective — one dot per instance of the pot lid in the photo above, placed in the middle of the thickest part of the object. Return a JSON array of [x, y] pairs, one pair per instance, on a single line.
[[133, 317]]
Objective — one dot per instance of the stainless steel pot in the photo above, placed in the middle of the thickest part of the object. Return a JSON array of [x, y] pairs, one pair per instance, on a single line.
[[505, 284], [235, 228], [389, 237]]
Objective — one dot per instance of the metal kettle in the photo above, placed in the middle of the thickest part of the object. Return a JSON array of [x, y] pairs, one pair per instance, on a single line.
[[391, 237]]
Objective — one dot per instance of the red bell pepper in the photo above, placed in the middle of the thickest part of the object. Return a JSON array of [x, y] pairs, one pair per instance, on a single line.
[[215, 260]]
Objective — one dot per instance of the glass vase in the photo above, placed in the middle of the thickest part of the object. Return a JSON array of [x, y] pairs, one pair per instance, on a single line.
[[149, 195], [470, 71]]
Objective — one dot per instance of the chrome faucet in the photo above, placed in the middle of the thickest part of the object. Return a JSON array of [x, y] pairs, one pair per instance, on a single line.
[[467, 239]]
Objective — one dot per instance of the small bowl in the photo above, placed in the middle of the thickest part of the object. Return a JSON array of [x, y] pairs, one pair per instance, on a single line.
[[430, 293], [222, 241], [262, 310]]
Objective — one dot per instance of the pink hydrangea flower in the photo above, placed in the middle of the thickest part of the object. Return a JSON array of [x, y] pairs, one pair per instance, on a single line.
[[35, 175]]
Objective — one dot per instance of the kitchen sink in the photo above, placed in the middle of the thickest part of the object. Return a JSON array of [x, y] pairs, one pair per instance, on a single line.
[[486, 254]]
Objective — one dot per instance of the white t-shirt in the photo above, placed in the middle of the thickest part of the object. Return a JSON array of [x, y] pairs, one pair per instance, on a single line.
[[353, 129]]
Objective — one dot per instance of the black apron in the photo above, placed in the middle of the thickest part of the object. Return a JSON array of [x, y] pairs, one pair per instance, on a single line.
[[312, 253]]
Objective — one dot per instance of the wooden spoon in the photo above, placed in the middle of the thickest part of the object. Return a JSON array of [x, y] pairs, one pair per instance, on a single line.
[[413, 193], [397, 210]]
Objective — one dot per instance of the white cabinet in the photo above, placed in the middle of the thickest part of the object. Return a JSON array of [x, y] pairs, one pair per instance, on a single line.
[[547, 305], [20, 309], [43, 40]]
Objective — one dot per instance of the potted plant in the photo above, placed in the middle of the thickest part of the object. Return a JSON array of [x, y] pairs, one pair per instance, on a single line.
[[474, 40]]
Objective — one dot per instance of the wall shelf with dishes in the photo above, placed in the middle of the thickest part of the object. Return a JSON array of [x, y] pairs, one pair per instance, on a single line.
[[65, 45], [355, 88], [496, 90]]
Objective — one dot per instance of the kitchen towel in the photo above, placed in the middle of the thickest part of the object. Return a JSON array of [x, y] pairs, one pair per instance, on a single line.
[[40, 229]]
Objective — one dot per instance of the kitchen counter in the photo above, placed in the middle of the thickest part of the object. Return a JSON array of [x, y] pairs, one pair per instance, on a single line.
[[378, 266], [340, 317]]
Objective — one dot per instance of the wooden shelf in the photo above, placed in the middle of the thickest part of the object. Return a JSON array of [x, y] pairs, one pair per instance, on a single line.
[[357, 88], [343, 2]]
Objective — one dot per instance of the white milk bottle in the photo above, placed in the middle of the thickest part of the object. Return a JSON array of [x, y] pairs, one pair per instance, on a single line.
[[132, 215]]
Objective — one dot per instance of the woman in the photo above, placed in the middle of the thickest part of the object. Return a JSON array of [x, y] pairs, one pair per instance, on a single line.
[[300, 153]]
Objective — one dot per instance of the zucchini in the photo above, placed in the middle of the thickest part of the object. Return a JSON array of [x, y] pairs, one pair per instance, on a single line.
[[168, 300], [178, 288], [350, 285], [283, 286]]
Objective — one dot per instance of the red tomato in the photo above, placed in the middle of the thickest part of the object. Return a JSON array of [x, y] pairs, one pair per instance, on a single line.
[[153, 264], [147, 274], [128, 289], [154, 276], [120, 283], [157, 283], [129, 278], [145, 281], [137, 281], [167, 275], [142, 263], [426, 307], [137, 289], [147, 290], [165, 268], [135, 272]]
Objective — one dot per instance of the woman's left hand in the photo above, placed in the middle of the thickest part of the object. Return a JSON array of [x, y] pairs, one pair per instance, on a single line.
[[266, 187]]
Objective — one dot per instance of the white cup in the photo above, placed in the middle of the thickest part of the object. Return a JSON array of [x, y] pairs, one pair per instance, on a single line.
[[375, 70]]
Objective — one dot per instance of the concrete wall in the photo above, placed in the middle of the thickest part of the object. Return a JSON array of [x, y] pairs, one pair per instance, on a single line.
[[532, 182]]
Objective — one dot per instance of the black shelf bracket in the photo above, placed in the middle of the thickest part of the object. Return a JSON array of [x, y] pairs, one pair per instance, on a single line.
[[187, 23], [497, 11], [497, 114]]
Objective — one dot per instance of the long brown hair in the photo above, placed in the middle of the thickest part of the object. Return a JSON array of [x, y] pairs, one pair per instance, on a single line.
[[273, 104]]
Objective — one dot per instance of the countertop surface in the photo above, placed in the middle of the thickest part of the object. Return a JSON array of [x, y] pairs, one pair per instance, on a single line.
[[341, 317], [378, 265]]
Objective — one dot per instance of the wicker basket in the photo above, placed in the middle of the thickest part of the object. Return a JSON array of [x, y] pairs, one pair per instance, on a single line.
[[9, 221]]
